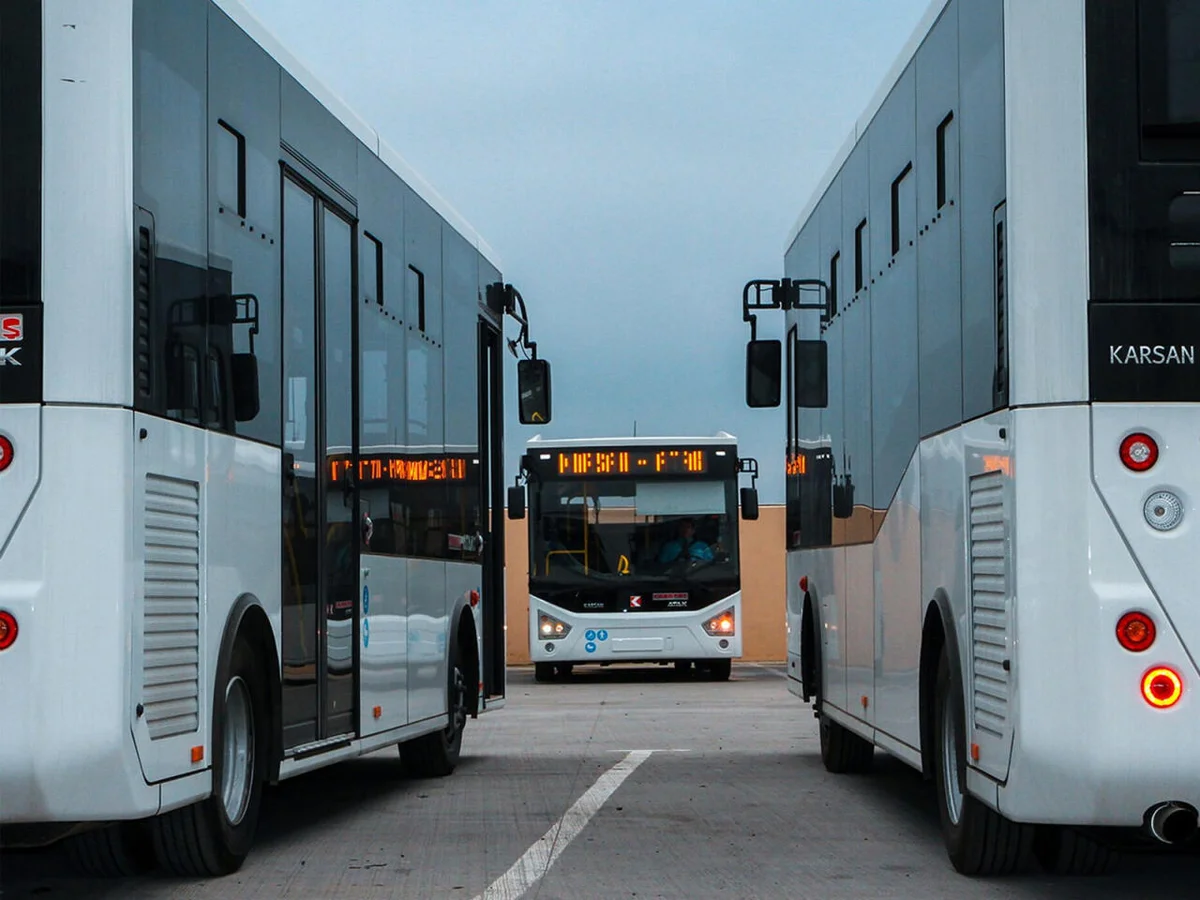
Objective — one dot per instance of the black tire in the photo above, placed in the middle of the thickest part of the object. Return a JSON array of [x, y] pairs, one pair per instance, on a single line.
[[543, 672], [207, 838], [115, 851], [435, 755], [979, 841], [842, 751], [683, 668], [1064, 851], [564, 670]]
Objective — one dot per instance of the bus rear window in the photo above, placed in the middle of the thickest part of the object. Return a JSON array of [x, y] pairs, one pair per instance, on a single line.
[[1169, 72], [20, 151]]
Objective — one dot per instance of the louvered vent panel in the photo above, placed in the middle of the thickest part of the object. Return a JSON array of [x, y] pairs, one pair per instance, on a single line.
[[171, 661], [989, 602]]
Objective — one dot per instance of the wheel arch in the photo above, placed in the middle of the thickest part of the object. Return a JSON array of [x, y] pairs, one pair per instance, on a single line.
[[938, 631], [248, 619], [464, 630]]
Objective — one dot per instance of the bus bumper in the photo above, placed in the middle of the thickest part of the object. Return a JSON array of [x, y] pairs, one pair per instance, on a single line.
[[636, 637]]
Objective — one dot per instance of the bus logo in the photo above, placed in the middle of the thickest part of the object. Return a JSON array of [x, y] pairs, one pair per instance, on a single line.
[[12, 327]]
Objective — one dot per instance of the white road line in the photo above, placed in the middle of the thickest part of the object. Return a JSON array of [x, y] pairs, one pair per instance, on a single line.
[[538, 859]]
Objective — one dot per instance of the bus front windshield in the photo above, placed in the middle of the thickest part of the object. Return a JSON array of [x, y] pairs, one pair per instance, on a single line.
[[590, 533]]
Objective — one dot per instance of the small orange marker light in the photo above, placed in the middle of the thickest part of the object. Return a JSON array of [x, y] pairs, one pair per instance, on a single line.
[[804, 583], [197, 754], [474, 598], [975, 752], [865, 701], [378, 711]]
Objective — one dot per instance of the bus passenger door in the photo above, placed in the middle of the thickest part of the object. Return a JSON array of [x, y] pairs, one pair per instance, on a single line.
[[491, 487], [320, 545]]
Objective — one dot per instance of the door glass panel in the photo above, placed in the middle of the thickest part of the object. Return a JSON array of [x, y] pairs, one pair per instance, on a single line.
[[341, 542], [300, 497]]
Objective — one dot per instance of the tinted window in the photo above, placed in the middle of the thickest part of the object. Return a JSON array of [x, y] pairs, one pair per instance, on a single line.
[[1169, 59], [20, 150]]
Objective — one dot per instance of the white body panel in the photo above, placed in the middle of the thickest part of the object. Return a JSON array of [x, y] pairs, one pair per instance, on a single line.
[[636, 637]]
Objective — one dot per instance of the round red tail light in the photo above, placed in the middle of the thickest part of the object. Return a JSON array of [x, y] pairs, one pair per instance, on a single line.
[[8, 629], [1162, 687], [1139, 452], [1136, 632], [6, 453]]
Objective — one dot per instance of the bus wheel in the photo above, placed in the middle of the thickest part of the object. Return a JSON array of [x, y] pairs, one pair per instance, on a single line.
[[978, 839], [543, 672], [842, 751], [718, 669], [213, 837], [435, 755], [116, 851], [1065, 851]]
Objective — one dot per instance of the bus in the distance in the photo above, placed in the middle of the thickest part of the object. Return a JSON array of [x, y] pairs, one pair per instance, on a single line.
[[251, 437], [633, 552], [993, 429]]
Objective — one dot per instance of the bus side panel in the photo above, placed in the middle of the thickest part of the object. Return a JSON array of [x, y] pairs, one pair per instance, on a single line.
[[171, 672], [898, 611], [87, 202], [383, 650], [428, 612]]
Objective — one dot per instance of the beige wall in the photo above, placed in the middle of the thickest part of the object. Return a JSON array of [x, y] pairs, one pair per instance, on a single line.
[[763, 593]]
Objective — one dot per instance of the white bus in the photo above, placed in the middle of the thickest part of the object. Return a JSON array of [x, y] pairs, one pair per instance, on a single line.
[[992, 428], [633, 552], [261, 361]]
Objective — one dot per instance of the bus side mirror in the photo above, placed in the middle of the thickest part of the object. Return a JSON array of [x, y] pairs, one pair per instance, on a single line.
[[763, 365], [516, 502], [533, 391], [749, 504], [245, 386], [812, 374]]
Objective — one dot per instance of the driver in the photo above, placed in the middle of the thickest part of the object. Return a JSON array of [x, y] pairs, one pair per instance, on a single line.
[[686, 546]]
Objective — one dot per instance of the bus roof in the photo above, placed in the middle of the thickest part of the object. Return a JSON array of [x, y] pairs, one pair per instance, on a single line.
[[249, 23], [721, 438], [936, 7]]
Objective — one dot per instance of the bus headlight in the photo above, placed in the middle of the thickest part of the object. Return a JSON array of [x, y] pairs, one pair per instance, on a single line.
[[550, 628], [721, 625]]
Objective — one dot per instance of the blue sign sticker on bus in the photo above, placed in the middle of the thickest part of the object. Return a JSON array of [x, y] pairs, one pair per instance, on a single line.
[[590, 635], [366, 599], [590, 647], [366, 632], [602, 635]]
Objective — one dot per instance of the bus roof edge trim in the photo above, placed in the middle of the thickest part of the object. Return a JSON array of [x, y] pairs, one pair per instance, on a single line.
[[906, 56], [292, 64]]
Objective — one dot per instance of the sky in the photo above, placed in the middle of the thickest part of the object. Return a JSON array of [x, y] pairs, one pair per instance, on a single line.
[[633, 163]]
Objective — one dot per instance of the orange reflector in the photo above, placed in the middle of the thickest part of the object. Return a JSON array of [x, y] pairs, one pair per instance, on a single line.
[[197, 754], [378, 711], [975, 752], [1135, 631], [474, 598], [804, 583], [1162, 687]]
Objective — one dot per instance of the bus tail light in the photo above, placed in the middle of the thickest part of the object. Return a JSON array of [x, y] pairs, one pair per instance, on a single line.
[[1162, 687], [721, 625], [1136, 631], [6, 452], [1139, 452], [8, 629], [550, 628]]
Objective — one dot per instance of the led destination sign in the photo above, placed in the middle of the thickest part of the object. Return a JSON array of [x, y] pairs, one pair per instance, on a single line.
[[388, 467], [638, 462]]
